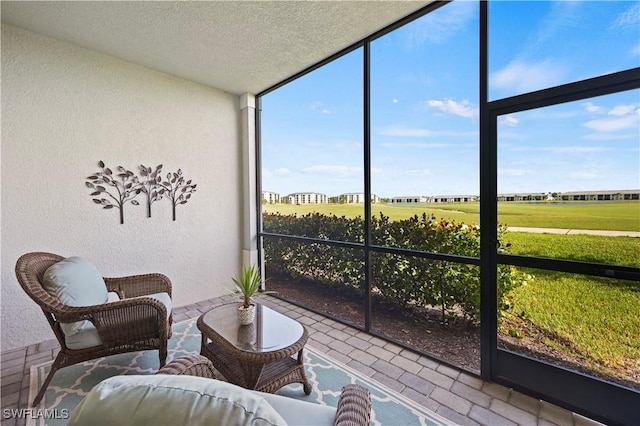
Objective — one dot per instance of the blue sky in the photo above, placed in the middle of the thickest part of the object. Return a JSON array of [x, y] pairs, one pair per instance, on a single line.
[[425, 106]]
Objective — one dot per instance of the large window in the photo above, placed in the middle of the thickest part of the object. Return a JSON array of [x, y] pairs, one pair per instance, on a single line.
[[397, 173], [465, 183], [563, 85]]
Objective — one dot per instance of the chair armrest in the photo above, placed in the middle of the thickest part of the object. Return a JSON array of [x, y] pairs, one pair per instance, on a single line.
[[354, 406], [191, 365], [123, 320], [138, 285]]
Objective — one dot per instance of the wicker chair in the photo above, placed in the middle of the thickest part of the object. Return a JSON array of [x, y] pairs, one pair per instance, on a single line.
[[354, 405], [126, 325]]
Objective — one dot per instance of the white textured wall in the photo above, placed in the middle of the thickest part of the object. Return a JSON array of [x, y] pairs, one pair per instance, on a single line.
[[65, 108]]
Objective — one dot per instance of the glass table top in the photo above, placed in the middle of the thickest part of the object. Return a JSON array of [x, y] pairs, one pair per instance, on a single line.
[[270, 330]]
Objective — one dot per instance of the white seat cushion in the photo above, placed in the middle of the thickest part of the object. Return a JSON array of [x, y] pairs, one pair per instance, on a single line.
[[88, 337]]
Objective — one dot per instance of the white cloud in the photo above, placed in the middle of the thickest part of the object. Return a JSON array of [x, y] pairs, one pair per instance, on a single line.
[[438, 26], [418, 172], [611, 137], [613, 124], [416, 145], [593, 109], [461, 109], [319, 106], [395, 101], [334, 171], [511, 135], [568, 149], [622, 110], [515, 172], [282, 171], [562, 16], [629, 18], [520, 76], [509, 120], [574, 149]]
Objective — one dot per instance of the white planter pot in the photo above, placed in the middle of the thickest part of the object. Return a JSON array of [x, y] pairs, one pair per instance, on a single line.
[[246, 315]]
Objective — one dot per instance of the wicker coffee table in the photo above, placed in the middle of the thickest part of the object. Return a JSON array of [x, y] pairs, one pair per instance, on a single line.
[[257, 356]]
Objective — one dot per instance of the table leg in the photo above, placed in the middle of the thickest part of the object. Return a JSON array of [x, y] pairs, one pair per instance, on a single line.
[[306, 386]]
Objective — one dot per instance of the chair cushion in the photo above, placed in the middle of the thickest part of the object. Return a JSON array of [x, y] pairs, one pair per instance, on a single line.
[[75, 281], [162, 297], [88, 336], [172, 400]]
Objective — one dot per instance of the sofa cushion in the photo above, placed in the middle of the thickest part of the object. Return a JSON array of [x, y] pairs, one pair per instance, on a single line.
[[172, 400], [75, 281], [299, 412]]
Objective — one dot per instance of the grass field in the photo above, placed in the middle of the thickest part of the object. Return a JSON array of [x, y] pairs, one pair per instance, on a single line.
[[598, 317], [600, 215], [621, 251]]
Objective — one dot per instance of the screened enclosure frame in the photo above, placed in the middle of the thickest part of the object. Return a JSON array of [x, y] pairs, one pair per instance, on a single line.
[[584, 394]]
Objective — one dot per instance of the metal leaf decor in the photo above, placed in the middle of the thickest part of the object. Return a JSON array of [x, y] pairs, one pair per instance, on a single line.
[[177, 190], [124, 187], [116, 190], [150, 185]]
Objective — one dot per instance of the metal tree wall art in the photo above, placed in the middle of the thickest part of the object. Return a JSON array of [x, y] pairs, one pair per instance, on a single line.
[[125, 185], [177, 190], [150, 185]]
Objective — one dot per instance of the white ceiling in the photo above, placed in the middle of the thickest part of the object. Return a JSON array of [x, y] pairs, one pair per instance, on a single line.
[[235, 46]]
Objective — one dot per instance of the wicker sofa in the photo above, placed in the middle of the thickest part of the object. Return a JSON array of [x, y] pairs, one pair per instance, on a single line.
[[185, 392]]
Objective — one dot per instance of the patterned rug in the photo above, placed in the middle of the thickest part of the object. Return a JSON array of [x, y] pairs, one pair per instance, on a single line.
[[327, 375]]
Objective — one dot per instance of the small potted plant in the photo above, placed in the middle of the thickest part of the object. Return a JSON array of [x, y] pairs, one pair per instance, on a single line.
[[247, 283]]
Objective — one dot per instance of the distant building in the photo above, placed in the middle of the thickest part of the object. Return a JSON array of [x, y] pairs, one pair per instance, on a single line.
[[625, 194], [270, 197], [453, 198], [306, 198], [523, 196], [413, 199], [356, 197]]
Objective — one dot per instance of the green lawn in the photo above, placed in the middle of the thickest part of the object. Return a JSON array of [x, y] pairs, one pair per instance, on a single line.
[[622, 251], [598, 317], [450, 211], [601, 215]]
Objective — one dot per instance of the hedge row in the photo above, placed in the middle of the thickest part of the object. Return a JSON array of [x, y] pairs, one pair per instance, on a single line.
[[403, 281]]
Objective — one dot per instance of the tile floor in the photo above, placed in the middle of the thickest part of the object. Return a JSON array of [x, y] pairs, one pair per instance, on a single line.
[[458, 396]]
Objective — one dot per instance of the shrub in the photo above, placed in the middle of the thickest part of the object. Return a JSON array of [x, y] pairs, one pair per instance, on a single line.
[[400, 280]]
